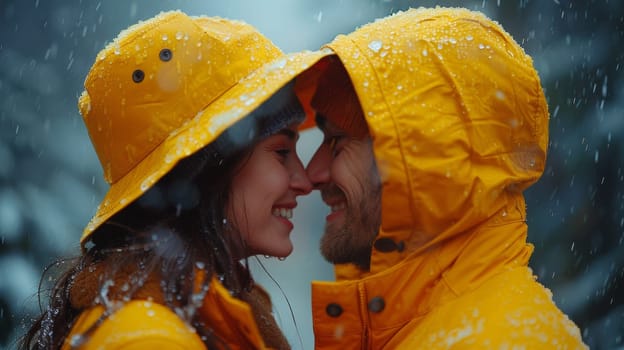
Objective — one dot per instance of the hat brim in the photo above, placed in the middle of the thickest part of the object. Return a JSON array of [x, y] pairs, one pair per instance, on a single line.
[[234, 105]]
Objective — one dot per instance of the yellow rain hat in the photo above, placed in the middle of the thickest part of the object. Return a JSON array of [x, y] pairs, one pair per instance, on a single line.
[[169, 86]]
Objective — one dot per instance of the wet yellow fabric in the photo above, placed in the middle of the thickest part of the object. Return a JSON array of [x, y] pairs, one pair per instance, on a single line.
[[168, 86], [141, 324], [460, 128], [137, 325]]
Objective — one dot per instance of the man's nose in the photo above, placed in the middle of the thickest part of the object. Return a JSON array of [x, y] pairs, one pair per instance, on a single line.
[[318, 168]]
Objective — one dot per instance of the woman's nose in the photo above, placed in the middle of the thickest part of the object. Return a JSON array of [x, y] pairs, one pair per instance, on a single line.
[[299, 179]]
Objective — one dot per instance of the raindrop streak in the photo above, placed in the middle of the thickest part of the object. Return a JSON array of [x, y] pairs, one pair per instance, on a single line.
[[596, 156], [319, 17]]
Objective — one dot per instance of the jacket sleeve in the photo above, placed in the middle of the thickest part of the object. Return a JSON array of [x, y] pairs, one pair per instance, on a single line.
[[137, 325]]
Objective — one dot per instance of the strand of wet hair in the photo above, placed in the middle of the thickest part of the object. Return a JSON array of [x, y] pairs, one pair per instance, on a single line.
[[292, 314]]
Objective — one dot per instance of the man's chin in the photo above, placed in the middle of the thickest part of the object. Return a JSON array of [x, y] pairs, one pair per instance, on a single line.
[[335, 244]]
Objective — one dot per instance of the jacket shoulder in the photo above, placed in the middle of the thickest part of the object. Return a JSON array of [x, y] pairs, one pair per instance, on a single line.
[[136, 325], [512, 309]]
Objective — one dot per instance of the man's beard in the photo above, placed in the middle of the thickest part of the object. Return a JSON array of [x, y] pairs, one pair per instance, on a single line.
[[352, 240]]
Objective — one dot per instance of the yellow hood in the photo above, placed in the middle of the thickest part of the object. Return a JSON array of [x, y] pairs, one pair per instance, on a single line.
[[459, 121], [460, 128]]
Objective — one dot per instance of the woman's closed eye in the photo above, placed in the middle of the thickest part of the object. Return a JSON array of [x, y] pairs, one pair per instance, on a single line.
[[283, 152]]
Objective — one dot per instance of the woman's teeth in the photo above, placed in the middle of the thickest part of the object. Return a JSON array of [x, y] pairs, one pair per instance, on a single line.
[[283, 212]]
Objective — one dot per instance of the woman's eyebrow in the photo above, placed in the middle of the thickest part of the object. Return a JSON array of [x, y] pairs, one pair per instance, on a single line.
[[293, 135]]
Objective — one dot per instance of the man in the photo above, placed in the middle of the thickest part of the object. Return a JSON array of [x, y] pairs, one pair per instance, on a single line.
[[434, 124]]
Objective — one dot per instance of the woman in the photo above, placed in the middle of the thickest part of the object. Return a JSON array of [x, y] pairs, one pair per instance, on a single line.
[[195, 123]]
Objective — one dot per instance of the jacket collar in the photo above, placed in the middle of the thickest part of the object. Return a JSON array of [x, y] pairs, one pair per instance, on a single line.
[[371, 307]]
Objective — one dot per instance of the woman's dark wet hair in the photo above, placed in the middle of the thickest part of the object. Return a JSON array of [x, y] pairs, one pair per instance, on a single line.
[[173, 232], [176, 233]]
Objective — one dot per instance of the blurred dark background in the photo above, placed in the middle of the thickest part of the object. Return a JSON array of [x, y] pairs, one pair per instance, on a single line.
[[51, 182]]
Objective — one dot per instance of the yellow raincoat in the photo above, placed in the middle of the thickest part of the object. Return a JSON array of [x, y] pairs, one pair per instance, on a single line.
[[162, 90], [460, 129], [143, 324]]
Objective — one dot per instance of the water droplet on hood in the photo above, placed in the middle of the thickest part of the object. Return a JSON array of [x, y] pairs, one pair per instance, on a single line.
[[375, 45]]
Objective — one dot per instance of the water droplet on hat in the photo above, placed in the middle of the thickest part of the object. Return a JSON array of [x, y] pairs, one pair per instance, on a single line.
[[145, 185], [425, 52], [375, 45], [165, 37], [469, 38], [279, 64]]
